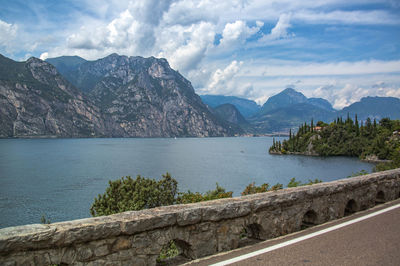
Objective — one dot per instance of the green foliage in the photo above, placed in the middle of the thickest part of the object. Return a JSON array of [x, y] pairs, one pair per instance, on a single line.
[[127, 194], [168, 251], [44, 220], [253, 189], [190, 197], [294, 183], [346, 138], [362, 172]]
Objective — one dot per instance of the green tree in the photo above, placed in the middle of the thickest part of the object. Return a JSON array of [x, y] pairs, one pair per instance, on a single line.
[[127, 194]]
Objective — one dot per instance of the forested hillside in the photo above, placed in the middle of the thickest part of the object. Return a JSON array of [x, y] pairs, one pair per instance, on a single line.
[[373, 141]]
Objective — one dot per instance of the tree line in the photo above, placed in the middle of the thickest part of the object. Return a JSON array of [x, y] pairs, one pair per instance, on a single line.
[[365, 139]]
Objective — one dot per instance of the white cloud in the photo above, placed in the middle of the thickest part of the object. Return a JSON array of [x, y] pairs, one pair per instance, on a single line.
[[351, 93], [374, 17], [280, 31], [237, 32], [222, 81], [272, 68], [184, 31], [185, 47], [8, 32], [44, 56]]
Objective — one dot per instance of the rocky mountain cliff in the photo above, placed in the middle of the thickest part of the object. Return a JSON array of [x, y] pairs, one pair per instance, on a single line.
[[37, 101], [145, 97]]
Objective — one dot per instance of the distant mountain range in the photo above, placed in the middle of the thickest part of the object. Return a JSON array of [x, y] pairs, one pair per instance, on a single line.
[[116, 96], [246, 107], [290, 108], [120, 96]]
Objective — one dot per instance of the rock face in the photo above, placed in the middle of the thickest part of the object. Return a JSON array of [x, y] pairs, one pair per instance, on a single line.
[[37, 101], [198, 229], [145, 97], [124, 97]]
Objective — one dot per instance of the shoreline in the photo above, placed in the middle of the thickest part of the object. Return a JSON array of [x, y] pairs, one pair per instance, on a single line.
[[366, 160]]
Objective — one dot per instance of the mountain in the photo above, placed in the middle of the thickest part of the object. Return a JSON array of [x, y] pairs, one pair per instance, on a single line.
[[246, 107], [321, 103], [373, 107], [35, 100], [146, 97], [282, 119], [67, 66], [230, 113], [288, 109], [285, 98]]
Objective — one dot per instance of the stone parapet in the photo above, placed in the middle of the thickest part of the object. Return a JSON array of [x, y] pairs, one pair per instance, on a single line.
[[198, 229]]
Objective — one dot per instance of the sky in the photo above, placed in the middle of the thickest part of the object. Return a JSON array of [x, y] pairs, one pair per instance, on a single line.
[[339, 50]]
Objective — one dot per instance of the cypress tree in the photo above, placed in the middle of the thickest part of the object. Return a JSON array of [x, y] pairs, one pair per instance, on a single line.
[[357, 126]]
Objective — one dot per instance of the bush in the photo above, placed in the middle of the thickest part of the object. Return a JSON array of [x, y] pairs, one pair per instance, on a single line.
[[362, 172], [127, 194], [190, 197], [253, 189], [294, 183]]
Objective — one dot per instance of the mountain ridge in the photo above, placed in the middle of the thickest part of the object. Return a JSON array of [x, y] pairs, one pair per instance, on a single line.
[[280, 112], [151, 100]]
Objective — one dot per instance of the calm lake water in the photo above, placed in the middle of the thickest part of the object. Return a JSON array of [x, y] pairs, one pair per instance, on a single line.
[[61, 177]]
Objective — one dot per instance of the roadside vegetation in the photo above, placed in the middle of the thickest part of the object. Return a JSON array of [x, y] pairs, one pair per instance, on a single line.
[[379, 142], [128, 194]]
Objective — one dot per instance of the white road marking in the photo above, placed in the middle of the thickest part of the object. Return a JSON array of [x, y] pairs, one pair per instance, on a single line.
[[296, 240]]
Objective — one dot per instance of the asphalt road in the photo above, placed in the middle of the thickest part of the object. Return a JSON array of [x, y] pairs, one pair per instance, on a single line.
[[373, 241]]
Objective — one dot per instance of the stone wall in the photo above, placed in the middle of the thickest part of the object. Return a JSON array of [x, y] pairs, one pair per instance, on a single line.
[[199, 229]]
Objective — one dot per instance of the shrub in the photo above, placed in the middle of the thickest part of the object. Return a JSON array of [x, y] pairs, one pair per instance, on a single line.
[[190, 197], [127, 194]]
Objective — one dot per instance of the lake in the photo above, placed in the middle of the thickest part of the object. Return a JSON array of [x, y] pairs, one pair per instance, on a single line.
[[60, 178]]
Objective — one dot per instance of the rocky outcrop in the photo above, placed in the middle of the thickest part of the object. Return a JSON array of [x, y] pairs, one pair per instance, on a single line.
[[37, 101], [198, 229], [125, 97], [149, 99]]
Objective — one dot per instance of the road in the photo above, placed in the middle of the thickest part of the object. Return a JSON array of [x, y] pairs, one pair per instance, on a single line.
[[366, 238]]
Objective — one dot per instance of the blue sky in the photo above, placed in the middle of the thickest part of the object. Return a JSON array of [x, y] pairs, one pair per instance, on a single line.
[[335, 49]]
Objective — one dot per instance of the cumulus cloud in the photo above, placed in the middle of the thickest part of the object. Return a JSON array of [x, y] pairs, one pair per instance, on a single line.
[[237, 33], [131, 32], [223, 81], [208, 40], [188, 46], [8, 32]]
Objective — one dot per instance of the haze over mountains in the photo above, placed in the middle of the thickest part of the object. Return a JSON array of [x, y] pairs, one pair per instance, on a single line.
[[120, 96]]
